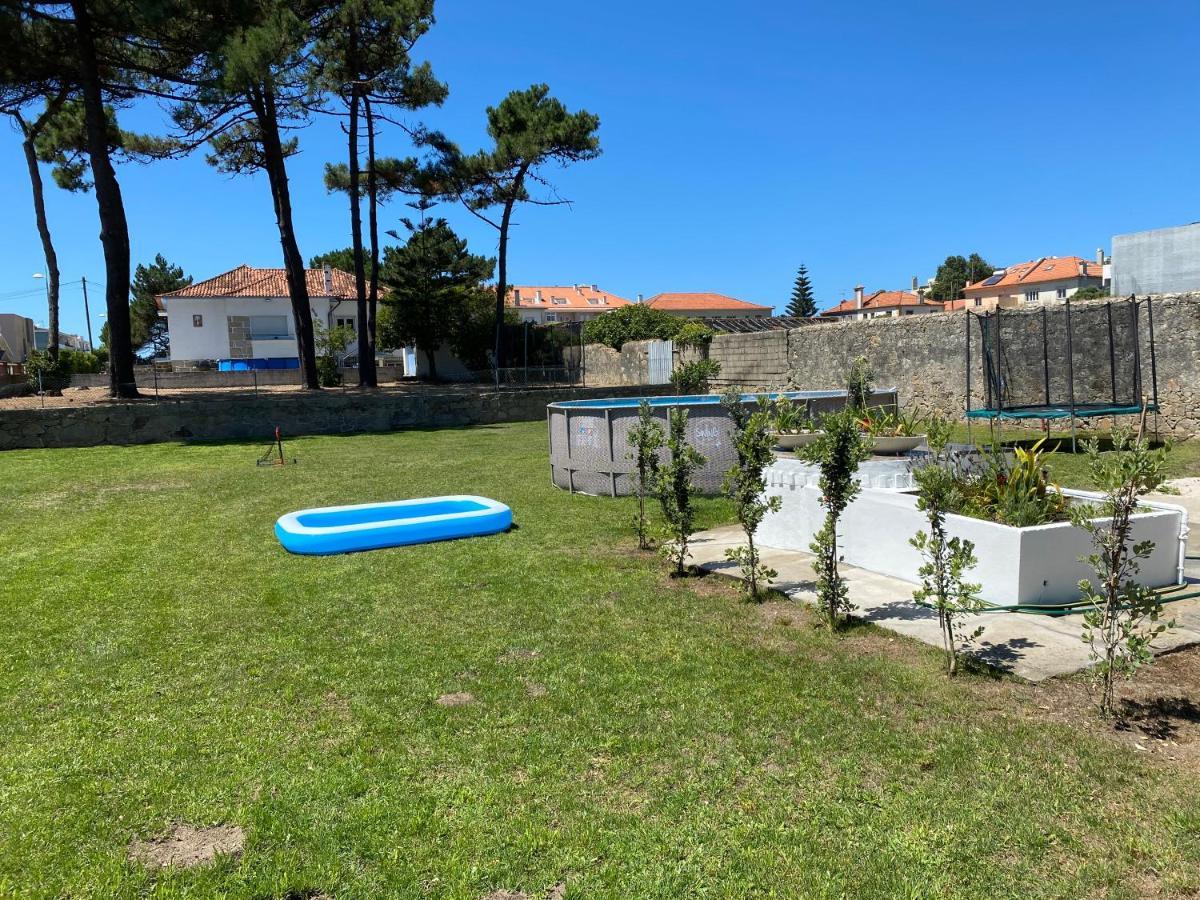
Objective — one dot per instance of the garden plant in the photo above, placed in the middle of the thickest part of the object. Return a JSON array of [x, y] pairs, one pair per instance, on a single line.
[[746, 484], [676, 492], [646, 438], [1124, 617]]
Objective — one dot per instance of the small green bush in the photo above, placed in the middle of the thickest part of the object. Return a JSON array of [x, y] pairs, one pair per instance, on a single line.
[[638, 322], [693, 377]]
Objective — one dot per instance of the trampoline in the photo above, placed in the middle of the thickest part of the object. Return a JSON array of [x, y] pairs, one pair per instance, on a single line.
[[1107, 366]]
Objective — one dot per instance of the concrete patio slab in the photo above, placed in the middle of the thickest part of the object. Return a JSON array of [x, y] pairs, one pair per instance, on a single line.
[[1032, 647]]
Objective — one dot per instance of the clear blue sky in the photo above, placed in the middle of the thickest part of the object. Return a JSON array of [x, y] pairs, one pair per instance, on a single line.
[[867, 139]]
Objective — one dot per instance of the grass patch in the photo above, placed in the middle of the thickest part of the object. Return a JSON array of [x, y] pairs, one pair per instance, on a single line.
[[166, 663]]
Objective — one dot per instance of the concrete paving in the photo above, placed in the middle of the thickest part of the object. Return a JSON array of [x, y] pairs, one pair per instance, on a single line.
[[1028, 646]]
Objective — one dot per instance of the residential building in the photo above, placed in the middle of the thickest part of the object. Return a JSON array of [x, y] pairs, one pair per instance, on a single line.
[[16, 338], [542, 304], [1046, 280], [882, 304], [706, 305], [1162, 261], [246, 315], [41, 340]]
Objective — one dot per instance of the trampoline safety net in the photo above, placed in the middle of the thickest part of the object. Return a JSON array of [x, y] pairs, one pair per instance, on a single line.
[[1078, 359]]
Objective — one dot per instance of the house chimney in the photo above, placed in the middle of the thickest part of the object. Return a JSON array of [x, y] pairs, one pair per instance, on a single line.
[[639, 298], [1083, 268], [915, 283], [328, 273], [1100, 256], [537, 295], [858, 296], [516, 296], [595, 288]]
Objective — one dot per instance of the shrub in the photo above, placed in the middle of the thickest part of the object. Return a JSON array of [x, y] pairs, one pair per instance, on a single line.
[[860, 384], [330, 344], [837, 453], [745, 483], [946, 560], [646, 438], [639, 322], [1124, 615], [675, 490], [693, 377]]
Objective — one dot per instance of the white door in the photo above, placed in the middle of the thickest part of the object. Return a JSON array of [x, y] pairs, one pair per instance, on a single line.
[[658, 362], [410, 362]]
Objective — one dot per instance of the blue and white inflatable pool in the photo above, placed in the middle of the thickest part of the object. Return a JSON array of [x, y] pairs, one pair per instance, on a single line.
[[370, 526]]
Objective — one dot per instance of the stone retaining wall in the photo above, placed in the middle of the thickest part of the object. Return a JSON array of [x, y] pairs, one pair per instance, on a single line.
[[240, 417]]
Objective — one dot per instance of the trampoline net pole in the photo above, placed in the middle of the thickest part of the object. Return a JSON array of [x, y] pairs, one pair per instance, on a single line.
[[1071, 375]]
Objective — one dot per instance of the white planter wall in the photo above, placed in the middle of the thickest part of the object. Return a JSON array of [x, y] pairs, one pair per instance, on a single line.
[[1036, 566]]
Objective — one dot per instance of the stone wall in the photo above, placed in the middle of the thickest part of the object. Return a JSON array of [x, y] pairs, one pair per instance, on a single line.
[[753, 361], [242, 417], [212, 379]]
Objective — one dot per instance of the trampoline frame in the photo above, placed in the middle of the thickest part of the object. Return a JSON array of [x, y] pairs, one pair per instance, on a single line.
[[995, 408]]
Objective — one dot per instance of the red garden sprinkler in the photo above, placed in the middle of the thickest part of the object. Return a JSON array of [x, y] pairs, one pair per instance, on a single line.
[[274, 455]]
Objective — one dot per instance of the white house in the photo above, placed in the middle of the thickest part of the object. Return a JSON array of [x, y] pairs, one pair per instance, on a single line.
[[245, 315], [1046, 280], [542, 304], [883, 304]]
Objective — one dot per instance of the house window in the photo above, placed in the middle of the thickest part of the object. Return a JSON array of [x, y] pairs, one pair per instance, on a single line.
[[559, 301], [345, 323], [979, 301], [1031, 296], [1061, 293], [551, 317], [197, 321], [268, 328], [593, 301]]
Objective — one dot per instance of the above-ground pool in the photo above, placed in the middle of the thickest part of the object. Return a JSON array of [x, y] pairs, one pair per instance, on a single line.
[[590, 451]]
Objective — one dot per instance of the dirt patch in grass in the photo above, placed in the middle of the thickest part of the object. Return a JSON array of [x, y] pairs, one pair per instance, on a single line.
[[458, 698], [534, 689], [558, 892], [518, 654], [185, 846]]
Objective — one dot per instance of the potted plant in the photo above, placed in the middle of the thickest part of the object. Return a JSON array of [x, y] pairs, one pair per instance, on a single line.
[[790, 426], [892, 432]]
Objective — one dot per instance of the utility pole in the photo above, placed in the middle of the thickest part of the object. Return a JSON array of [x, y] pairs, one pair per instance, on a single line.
[[87, 313]]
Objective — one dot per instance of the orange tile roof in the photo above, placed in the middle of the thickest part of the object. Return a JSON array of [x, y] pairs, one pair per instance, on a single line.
[[703, 300], [245, 281], [1048, 268], [557, 296], [880, 300]]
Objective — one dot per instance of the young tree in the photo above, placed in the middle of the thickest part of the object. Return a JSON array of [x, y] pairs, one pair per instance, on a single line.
[[956, 273], [802, 303], [530, 131], [746, 484], [1124, 615], [946, 559], [430, 279], [860, 384], [363, 58], [837, 453], [646, 439], [675, 490]]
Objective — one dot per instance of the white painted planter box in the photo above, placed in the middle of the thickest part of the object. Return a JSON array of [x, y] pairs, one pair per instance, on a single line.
[[1029, 566]]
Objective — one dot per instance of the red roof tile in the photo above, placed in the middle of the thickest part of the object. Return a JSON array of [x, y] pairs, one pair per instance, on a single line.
[[705, 300], [1048, 268], [245, 281], [570, 296], [880, 300]]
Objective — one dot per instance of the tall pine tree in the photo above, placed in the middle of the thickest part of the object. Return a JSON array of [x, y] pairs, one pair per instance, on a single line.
[[802, 303]]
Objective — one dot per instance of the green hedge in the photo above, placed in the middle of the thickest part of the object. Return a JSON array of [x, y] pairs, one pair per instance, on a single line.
[[638, 322]]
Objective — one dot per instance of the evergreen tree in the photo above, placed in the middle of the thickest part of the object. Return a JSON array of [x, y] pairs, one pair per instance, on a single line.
[[802, 304], [431, 282], [956, 273], [148, 328]]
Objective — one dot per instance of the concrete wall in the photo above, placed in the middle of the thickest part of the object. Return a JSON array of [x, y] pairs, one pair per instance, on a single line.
[[1166, 260], [213, 379], [329, 412]]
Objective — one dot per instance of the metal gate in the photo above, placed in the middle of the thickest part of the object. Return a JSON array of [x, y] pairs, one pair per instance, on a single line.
[[658, 362]]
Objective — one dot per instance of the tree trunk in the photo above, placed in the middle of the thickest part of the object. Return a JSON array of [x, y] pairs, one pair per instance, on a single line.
[[43, 227], [373, 228], [431, 359], [114, 229], [366, 356], [502, 286], [262, 102]]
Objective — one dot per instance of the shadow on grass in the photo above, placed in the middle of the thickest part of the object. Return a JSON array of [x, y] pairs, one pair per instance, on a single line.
[[1158, 718]]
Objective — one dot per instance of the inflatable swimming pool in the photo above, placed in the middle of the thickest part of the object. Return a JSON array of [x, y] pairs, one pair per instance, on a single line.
[[370, 526]]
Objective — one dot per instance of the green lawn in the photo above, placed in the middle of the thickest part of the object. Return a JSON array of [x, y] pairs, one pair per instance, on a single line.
[[166, 661]]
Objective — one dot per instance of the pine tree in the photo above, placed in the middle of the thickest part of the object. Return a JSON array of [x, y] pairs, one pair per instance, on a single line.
[[802, 304]]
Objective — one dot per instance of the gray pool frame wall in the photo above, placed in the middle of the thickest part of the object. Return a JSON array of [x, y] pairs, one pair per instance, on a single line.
[[590, 451]]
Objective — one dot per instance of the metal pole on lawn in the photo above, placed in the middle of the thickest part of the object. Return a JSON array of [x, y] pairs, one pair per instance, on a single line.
[[525, 335], [1071, 376], [87, 313], [967, 318], [1153, 362]]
